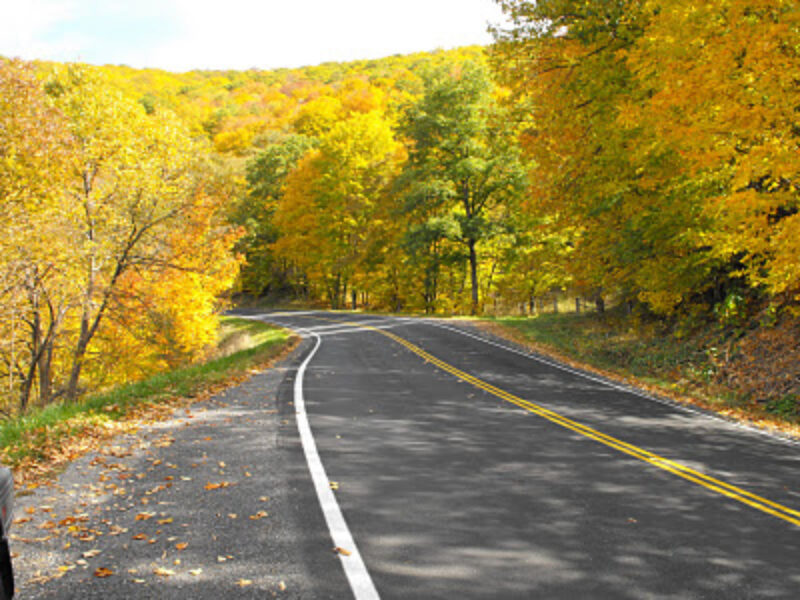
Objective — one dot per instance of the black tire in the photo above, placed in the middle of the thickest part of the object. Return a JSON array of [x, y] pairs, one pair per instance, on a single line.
[[6, 572]]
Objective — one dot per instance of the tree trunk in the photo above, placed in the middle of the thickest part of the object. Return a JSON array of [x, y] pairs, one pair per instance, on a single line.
[[35, 344], [473, 272], [77, 358], [45, 372], [333, 291], [600, 304]]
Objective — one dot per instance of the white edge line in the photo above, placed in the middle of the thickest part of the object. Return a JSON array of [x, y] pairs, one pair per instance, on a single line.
[[356, 571]]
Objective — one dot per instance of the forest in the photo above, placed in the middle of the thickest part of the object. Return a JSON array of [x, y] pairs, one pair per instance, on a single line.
[[640, 155]]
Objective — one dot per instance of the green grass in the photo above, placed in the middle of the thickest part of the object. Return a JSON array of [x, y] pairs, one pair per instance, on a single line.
[[611, 344], [243, 345]]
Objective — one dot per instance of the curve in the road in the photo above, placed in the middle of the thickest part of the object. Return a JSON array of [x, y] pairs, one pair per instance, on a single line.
[[715, 485]]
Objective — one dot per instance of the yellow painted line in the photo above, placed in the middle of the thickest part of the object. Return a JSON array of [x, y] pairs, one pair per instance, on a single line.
[[715, 485]]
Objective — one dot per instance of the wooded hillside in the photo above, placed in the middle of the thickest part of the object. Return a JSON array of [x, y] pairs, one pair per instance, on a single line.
[[639, 154]]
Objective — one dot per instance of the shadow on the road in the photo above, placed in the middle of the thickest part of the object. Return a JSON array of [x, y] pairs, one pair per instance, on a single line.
[[209, 505], [452, 493]]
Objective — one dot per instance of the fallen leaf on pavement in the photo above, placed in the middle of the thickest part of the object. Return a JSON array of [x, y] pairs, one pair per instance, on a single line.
[[162, 572], [244, 582], [342, 551], [216, 486], [103, 572], [17, 538]]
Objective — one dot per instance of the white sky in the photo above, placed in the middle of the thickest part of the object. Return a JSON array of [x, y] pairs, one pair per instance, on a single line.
[[180, 35]]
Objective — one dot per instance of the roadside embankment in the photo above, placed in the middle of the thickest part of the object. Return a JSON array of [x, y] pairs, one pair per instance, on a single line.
[[40, 443], [750, 376]]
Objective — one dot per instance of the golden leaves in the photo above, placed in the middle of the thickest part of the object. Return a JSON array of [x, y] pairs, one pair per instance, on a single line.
[[216, 486]]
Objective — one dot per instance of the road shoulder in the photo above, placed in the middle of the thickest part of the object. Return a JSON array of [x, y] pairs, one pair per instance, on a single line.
[[214, 502]]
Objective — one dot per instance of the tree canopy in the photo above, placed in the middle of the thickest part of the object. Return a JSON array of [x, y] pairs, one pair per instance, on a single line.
[[643, 153]]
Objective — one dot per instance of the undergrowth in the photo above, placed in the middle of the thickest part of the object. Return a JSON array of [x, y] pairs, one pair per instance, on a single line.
[[747, 371]]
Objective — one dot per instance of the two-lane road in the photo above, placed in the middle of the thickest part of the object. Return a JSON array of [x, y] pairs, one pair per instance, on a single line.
[[466, 470]]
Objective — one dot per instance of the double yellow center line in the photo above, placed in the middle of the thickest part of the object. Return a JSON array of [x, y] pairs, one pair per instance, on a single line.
[[715, 485]]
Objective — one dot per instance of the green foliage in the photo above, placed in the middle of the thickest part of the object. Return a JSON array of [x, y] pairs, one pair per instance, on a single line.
[[267, 171], [787, 407], [464, 168]]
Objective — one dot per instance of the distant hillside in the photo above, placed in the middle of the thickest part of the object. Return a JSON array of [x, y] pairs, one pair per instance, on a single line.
[[241, 110]]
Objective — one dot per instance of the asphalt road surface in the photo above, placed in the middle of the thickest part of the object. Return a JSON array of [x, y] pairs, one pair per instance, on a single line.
[[457, 482], [443, 464]]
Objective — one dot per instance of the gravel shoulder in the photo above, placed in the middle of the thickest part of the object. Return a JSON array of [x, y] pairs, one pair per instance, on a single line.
[[212, 503]]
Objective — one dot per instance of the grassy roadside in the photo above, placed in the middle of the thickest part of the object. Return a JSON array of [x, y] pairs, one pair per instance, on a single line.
[[39, 444], [685, 369]]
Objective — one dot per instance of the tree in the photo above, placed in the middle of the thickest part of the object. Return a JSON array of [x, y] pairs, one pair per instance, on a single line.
[[330, 199], [34, 149], [266, 176], [599, 172], [132, 183], [724, 92], [463, 163]]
